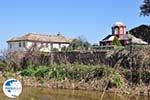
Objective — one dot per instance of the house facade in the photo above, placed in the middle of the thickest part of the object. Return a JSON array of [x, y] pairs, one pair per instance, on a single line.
[[45, 43]]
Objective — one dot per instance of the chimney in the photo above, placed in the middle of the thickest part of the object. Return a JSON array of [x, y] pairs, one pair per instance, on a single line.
[[113, 33], [59, 34]]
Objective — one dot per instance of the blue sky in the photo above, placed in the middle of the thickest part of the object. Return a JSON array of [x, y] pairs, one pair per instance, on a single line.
[[89, 18]]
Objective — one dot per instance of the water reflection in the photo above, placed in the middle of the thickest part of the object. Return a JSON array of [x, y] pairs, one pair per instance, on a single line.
[[62, 94]]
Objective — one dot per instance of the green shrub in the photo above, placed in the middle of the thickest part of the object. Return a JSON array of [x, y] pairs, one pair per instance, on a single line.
[[27, 72], [40, 71], [116, 41], [2, 64], [116, 80], [58, 73], [72, 71]]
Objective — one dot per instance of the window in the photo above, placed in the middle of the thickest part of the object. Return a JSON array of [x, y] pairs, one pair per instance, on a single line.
[[47, 45], [24, 44], [19, 44], [10, 46]]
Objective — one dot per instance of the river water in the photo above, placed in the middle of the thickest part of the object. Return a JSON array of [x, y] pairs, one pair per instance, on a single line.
[[62, 94]]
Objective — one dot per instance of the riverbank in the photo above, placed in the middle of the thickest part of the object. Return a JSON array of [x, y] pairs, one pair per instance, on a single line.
[[94, 85], [40, 93], [74, 77]]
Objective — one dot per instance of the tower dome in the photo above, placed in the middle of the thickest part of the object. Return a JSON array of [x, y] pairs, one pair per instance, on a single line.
[[119, 24]]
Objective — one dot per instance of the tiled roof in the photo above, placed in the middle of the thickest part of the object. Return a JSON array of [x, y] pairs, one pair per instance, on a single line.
[[108, 38], [41, 38], [111, 37], [135, 40]]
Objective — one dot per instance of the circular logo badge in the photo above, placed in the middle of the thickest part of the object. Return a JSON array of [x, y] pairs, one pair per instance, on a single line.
[[12, 88]]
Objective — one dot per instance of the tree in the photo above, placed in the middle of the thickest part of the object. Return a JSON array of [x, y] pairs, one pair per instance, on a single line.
[[79, 44], [3, 59], [145, 8], [142, 32], [4, 54], [116, 41]]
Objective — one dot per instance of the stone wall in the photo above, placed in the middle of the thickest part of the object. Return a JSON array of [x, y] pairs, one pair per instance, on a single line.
[[138, 57], [93, 58], [135, 57], [81, 57]]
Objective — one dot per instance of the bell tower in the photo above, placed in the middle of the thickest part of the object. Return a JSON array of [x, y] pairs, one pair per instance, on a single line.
[[118, 29]]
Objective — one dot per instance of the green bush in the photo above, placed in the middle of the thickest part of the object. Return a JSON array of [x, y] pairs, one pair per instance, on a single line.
[[116, 41], [40, 71], [27, 72], [2, 64], [60, 72], [116, 80]]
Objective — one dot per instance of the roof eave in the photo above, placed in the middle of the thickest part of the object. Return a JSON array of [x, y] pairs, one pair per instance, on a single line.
[[38, 41]]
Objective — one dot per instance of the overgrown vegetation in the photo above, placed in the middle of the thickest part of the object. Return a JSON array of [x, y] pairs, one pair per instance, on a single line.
[[74, 67], [61, 72], [145, 77], [74, 72]]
